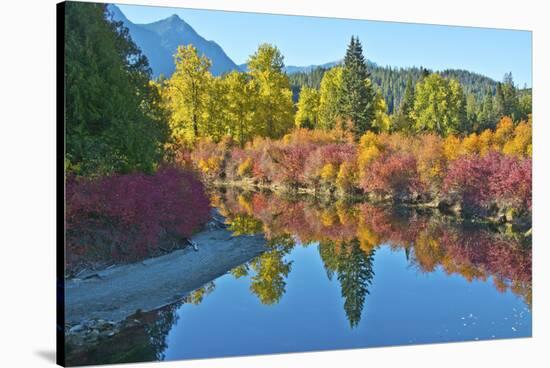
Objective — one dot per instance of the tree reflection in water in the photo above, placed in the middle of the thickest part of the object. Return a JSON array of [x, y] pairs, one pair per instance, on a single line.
[[348, 234], [355, 275], [142, 342], [271, 270]]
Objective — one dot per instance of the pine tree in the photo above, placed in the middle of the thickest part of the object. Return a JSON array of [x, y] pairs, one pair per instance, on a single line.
[[507, 98], [401, 120], [487, 115], [355, 274], [357, 100], [407, 103]]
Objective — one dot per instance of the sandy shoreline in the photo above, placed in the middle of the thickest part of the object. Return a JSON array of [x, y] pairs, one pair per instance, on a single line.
[[120, 291]]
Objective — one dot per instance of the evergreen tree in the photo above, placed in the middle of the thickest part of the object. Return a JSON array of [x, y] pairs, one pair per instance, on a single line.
[[506, 99], [113, 118], [487, 116], [407, 103], [472, 110], [393, 82], [424, 72], [357, 99], [401, 120], [311, 79], [525, 104]]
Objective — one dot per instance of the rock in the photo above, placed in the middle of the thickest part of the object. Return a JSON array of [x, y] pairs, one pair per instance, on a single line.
[[94, 275], [76, 329], [104, 325], [93, 335]]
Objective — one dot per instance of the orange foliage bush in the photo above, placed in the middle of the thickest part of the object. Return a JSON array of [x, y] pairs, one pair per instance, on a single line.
[[385, 164]]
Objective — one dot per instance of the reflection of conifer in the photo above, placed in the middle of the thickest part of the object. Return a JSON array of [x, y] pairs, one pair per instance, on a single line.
[[355, 274]]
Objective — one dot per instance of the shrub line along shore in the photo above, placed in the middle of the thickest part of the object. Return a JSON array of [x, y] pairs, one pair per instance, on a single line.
[[447, 209]]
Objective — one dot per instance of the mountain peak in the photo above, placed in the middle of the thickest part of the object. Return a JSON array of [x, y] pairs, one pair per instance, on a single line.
[[159, 41], [116, 13], [175, 17]]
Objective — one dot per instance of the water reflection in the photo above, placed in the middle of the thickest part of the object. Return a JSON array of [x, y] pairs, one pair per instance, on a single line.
[[348, 235], [142, 342], [142, 339], [316, 251], [355, 273]]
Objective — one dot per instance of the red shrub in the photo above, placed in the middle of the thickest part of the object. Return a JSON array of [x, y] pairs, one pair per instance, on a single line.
[[285, 164], [391, 173], [468, 177], [237, 157], [511, 180], [334, 154], [124, 216], [493, 178]]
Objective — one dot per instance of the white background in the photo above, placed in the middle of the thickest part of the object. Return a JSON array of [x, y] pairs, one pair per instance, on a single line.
[[27, 182]]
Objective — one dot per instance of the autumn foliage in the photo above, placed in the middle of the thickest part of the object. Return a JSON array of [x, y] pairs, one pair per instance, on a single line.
[[485, 172], [473, 252], [124, 217], [493, 178]]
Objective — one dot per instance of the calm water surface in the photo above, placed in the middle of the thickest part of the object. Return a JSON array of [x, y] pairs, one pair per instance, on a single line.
[[403, 307], [339, 276]]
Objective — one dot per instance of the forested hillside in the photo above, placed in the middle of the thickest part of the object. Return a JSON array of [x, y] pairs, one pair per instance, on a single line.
[[480, 91]]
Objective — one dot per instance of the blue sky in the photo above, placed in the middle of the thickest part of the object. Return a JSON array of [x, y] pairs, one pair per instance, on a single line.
[[313, 40]]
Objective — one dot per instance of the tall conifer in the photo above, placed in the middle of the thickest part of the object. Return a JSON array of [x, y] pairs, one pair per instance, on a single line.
[[357, 100]]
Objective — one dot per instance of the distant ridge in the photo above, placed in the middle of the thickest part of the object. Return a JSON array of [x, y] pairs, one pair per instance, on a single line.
[[159, 41], [291, 69]]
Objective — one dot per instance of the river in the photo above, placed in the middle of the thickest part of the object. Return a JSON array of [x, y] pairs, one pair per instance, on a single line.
[[336, 276]]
